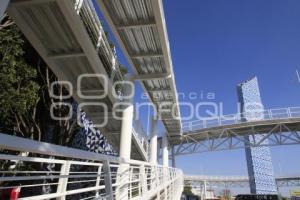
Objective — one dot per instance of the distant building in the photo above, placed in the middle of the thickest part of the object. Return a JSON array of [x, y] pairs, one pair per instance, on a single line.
[[259, 162]]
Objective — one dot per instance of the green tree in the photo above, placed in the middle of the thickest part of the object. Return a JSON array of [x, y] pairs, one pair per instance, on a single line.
[[24, 91], [19, 87]]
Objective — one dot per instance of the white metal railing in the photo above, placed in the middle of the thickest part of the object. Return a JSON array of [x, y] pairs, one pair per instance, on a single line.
[[98, 36], [75, 174], [141, 136], [270, 114]]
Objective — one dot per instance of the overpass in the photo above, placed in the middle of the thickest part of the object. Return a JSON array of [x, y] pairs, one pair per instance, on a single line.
[[279, 126], [237, 181]]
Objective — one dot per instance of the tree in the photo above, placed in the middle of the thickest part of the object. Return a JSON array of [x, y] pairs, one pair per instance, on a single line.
[[25, 91], [19, 87]]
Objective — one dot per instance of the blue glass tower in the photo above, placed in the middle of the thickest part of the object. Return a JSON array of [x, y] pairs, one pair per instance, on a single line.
[[259, 162]]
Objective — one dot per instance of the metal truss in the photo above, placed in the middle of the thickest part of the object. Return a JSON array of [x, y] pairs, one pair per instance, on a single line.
[[279, 132], [236, 181]]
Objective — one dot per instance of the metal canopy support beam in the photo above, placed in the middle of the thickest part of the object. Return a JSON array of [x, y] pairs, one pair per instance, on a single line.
[[153, 142], [66, 55], [143, 77], [140, 25], [30, 2], [152, 55], [160, 90]]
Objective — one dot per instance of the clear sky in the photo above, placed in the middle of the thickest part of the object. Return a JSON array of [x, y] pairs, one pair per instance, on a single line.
[[216, 44]]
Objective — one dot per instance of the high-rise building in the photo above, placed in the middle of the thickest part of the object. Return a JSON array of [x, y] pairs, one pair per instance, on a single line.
[[259, 162]]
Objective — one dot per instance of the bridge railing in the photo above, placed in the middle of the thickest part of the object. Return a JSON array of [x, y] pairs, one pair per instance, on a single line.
[[214, 121], [141, 136], [106, 50], [45, 171]]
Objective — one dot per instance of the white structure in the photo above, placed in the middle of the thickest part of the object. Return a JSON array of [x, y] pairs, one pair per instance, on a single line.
[[69, 37]]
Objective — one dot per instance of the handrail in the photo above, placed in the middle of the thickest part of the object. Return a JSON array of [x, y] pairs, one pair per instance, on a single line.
[[270, 114], [106, 52], [70, 172]]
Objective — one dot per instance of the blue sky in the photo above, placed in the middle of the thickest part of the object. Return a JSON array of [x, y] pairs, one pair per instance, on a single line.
[[216, 44]]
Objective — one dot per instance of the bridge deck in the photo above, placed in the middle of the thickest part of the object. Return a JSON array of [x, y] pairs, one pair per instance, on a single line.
[[139, 27]]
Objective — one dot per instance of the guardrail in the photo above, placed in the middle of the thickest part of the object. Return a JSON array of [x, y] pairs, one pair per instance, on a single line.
[[44, 171], [98, 36], [270, 114], [141, 136]]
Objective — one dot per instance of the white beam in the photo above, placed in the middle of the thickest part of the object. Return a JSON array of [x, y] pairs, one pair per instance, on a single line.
[[147, 55], [143, 77], [165, 151], [139, 25], [126, 128], [153, 142], [66, 55]]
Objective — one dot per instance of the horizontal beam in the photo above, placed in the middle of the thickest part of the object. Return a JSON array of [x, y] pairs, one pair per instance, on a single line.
[[147, 55], [29, 2], [159, 90], [143, 77], [66, 55], [26, 145], [136, 25]]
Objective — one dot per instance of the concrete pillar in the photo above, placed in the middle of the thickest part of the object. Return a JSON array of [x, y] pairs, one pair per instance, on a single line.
[[3, 7], [126, 132], [165, 152], [124, 175], [153, 142], [173, 157]]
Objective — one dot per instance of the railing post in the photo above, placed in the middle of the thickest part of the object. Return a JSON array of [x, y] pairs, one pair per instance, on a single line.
[[143, 180], [107, 180], [289, 112], [63, 180], [98, 180], [157, 174], [130, 181]]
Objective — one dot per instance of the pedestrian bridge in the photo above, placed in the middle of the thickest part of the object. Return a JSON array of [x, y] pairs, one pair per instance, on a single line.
[[236, 181], [278, 126], [80, 174]]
